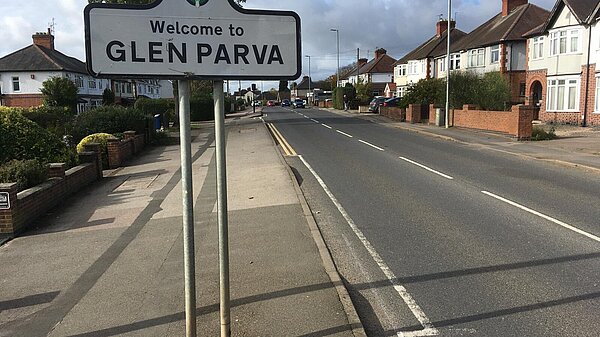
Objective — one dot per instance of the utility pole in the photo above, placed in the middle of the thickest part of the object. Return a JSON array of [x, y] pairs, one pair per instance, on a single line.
[[337, 33], [309, 80], [357, 64]]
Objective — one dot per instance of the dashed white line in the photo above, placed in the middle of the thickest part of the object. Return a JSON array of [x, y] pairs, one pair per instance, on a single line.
[[305, 116], [327, 126], [345, 134], [427, 168], [429, 329], [316, 121], [544, 216], [371, 145]]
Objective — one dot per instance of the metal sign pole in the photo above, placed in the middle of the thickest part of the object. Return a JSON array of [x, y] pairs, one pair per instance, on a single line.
[[189, 260], [222, 207]]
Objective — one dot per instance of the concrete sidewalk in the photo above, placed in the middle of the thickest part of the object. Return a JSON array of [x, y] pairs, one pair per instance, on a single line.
[[576, 146], [109, 261]]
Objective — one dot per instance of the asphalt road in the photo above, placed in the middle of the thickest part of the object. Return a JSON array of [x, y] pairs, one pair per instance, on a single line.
[[434, 237]]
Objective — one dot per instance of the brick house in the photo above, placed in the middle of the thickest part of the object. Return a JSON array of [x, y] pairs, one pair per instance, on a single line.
[[561, 73], [419, 63], [379, 72], [23, 72], [498, 45]]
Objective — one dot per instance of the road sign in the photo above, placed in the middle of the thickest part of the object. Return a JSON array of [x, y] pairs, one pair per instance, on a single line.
[[214, 39], [4, 200]]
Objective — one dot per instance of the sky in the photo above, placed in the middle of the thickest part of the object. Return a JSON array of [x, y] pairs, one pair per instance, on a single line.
[[396, 25]]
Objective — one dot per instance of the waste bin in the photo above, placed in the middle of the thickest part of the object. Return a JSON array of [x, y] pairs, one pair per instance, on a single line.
[[440, 117], [157, 122]]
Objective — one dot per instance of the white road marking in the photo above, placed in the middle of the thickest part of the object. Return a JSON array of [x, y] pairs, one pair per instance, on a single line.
[[371, 145], [306, 117], [327, 126], [544, 216], [419, 333], [427, 168], [343, 133], [408, 299], [316, 121]]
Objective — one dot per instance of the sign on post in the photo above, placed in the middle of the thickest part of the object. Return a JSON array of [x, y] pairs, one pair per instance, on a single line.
[[4, 200], [177, 39]]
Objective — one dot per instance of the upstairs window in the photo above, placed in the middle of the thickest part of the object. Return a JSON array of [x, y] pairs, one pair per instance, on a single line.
[[442, 64], [538, 47], [564, 42], [495, 54], [16, 84], [476, 57], [454, 61], [92, 83], [414, 68]]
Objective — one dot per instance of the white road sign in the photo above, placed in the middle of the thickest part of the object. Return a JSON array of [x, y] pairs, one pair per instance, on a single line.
[[192, 38]]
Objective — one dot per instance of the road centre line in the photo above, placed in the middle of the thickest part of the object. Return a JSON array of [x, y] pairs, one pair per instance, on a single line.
[[429, 329], [327, 126], [427, 168], [345, 134], [544, 216], [371, 145], [316, 121]]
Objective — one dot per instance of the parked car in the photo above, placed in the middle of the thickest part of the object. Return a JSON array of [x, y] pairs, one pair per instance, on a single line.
[[392, 102], [270, 103], [298, 103], [286, 102], [376, 103]]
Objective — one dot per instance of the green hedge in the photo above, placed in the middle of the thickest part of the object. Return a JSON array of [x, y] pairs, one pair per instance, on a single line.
[[338, 97], [22, 139], [26, 173], [164, 107], [110, 119], [202, 108]]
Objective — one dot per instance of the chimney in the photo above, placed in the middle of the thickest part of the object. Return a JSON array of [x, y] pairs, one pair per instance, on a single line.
[[362, 62], [509, 5], [45, 40], [442, 26], [380, 52]]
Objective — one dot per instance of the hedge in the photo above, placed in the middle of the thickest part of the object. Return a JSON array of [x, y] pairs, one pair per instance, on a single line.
[[26, 173], [110, 119]]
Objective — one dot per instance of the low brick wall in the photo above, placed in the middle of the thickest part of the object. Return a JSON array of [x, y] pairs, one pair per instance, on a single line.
[[396, 114], [120, 151], [413, 113], [517, 122], [327, 105], [363, 109], [28, 205]]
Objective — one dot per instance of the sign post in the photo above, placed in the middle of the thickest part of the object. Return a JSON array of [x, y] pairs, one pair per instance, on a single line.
[[186, 40]]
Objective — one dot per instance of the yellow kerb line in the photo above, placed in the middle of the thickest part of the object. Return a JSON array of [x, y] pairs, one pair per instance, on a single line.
[[287, 148]]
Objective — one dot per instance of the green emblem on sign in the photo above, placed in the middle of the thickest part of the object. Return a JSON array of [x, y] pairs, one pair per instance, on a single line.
[[197, 3]]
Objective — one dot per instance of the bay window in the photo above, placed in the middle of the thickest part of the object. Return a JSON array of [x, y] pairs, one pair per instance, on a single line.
[[563, 94], [565, 41], [476, 58]]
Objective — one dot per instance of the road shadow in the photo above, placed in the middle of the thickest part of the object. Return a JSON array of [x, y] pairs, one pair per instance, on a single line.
[[28, 301]]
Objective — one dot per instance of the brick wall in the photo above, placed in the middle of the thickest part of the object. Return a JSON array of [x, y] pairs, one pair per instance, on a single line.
[[394, 113], [119, 151], [592, 119], [22, 101], [413, 113], [515, 79], [26, 206], [517, 122]]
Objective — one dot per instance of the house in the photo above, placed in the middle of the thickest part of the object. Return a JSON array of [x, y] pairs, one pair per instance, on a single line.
[[303, 89], [23, 72], [378, 72], [499, 44], [421, 62], [562, 79], [351, 76]]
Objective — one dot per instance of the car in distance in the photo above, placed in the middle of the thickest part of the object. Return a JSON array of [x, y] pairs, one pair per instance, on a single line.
[[391, 102], [298, 103], [286, 102], [376, 103], [270, 103]]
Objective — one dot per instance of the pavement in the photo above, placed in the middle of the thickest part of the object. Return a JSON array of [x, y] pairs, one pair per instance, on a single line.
[[576, 146], [109, 261]]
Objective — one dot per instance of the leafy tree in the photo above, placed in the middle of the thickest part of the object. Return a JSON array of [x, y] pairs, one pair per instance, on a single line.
[[426, 91], [59, 91], [493, 92], [283, 86], [363, 91], [108, 97]]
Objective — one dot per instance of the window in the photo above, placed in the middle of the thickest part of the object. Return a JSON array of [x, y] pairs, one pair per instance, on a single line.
[[495, 54], [538, 47], [16, 84], [522, 89], [401, 91], [454, 61], [92, 83], [476, 57], [442, 64], [401, 70], [413, 68], [78, 80], [597, 106], [564, 42], [100, 84], [563, 94]]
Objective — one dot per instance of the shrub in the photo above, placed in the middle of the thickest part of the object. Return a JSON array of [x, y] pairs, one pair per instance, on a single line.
[[110, 119], [539, 133], [202, 108], [57, 120], [26, 173], [100, 138], [493, 92], [22, 139], [60, 92], [338, 96]]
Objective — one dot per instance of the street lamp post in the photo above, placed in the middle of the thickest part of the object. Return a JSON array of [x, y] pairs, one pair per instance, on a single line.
[[309, 80], [337, 33], [448, 64]]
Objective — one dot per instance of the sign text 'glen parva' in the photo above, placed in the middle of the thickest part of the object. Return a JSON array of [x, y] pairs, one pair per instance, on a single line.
[[174, 39]]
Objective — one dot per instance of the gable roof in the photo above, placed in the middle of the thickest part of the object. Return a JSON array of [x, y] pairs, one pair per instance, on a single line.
[[39, 58], [433, 47], [500, 28], [303, 85], [382, 64], [583, 10]]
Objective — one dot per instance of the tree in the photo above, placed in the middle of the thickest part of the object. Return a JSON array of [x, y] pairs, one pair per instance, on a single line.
[[59, 91], [493, 92], [363, 91], [426, 91], [283, 86], [108, 97]]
